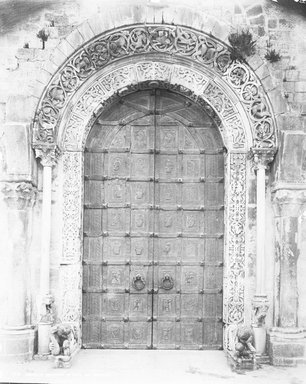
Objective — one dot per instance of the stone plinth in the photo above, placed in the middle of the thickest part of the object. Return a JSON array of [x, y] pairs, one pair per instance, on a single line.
[[16, 344], [287, 346]]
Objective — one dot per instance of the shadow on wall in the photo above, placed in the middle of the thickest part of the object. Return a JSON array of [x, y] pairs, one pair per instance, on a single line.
[[293, 7], [13, 12]]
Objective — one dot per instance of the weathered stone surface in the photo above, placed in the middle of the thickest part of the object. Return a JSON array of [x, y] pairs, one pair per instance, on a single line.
[[292, 156], [20, 108], [254, 11], [300, 86], [15, 152], [75, 39], [287, 347], [16, 345]]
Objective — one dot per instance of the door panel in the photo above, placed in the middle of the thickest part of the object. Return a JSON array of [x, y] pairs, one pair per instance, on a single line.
[[153, 230]]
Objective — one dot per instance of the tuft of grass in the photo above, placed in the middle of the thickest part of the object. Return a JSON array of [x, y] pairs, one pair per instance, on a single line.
[[43, 35], [273, 56], [242, 45]]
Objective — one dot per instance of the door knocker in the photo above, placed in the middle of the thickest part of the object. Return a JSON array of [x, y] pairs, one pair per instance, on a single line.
[[167, 282], [138, 282]]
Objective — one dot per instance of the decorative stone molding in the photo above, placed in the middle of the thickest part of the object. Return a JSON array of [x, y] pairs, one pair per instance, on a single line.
[[182, 42], [48, 154], [72, 206], [187, 81], [236, 217], [19, 195]]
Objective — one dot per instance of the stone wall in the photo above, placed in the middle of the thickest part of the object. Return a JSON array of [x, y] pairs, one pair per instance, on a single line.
[[25, 72]]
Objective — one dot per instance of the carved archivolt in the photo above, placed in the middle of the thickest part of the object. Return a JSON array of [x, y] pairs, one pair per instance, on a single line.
[[179, 42], [140, 75]]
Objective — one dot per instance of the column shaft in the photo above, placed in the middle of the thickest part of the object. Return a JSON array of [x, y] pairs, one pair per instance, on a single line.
[[46, 231], [261, 231]]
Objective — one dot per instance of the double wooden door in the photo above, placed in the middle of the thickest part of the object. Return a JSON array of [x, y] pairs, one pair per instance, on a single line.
[[153, 231]]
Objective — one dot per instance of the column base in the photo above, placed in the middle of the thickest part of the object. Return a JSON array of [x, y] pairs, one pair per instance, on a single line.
[[238, 364], [17, 344], [287, 346]]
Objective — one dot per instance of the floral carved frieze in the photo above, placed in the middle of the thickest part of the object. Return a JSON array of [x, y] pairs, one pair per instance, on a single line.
[[236, 216], [171, 41], [72, 206]]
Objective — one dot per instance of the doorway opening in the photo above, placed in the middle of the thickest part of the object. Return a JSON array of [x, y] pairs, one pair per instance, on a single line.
[[153, 226]]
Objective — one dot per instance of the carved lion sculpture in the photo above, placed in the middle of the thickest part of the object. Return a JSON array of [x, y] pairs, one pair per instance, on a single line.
[[63, 340], [244, 342]]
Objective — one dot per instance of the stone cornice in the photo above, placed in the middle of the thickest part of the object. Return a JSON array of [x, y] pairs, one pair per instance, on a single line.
[[19, 195], [48, 154]]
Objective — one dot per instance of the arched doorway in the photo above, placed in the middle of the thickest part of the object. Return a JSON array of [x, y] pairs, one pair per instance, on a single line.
[[153, 225], [185, 61]]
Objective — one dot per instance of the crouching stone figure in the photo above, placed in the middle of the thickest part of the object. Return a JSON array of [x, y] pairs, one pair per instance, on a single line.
[[244, 345], [63, 344]]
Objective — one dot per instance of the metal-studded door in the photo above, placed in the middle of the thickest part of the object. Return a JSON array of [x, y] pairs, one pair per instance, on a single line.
[[153, 228]]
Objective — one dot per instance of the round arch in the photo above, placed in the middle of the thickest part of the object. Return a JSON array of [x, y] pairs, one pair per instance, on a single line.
[[183, 60]]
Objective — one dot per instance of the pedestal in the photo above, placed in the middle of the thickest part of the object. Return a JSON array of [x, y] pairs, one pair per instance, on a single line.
[[287, 346], [16, 344]]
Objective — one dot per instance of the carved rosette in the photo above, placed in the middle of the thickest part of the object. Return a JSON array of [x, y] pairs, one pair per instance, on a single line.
[[19, 196], [180, 42], [48, 154]]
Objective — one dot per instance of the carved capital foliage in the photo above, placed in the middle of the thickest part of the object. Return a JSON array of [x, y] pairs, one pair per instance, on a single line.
[[164, 41], [19, 196], [261, 158], [289, 202], [48, 154], [260, 307]]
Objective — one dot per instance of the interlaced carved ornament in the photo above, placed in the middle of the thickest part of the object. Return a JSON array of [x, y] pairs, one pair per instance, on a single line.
[[236, 217], [153, 39]]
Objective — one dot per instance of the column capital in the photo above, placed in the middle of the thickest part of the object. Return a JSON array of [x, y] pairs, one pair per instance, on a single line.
[[260, 306], [19, 195], [262, 157], [48, 154], [289, 202]]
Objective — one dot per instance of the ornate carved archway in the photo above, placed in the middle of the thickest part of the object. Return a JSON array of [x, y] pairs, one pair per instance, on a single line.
[[141, 56]]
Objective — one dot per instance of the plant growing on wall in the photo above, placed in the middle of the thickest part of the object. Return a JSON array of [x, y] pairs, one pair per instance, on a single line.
[[43, 35], [272, 55], [242, 45]]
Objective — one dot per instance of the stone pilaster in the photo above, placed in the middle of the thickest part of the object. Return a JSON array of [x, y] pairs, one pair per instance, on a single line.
[[16, 335], [287, 341]]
